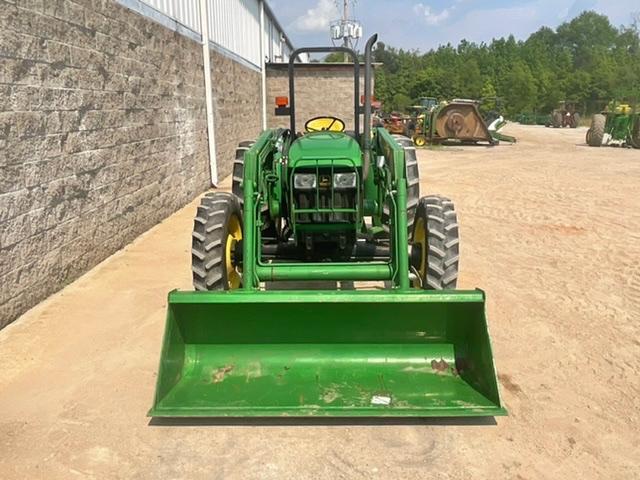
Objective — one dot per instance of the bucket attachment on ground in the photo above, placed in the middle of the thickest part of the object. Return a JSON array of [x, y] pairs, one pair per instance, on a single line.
[[326, 353]]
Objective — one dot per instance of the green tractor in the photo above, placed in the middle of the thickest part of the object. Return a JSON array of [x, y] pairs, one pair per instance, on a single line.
[[425, 104], [326, 205], [618, 125], [566, 115]]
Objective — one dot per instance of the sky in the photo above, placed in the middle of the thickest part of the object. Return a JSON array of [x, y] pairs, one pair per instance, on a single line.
[[422, 25]]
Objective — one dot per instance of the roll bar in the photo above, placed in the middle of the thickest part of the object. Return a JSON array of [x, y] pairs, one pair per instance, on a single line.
[[356, 84]]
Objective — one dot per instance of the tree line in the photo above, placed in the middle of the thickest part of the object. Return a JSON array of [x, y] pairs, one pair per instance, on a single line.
[[587, 61]]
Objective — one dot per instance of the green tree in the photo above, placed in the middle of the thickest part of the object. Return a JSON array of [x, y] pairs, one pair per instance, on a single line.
[[520, 90], [401, 102], [334, 57], [489, 95], [586, 60]]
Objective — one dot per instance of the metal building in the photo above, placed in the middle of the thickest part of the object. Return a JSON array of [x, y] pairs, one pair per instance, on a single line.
[[234, 26], [245, 31]]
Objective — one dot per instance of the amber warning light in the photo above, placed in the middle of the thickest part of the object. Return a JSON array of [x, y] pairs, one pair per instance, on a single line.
[[282, 101]]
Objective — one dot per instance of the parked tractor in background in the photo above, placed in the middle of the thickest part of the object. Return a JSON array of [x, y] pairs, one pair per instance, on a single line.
[[397, 124], [420, 113], [617, 125], [425, 104], [333, 205], [565, 116]]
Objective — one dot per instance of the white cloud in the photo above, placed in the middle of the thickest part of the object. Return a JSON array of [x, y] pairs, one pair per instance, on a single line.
[[318, 18], [431, 17]]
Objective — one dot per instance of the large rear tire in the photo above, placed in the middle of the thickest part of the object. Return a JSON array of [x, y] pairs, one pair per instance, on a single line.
[[435, 232], [217, 231], [635, 132], [594, 139], [413, 182], [238, 177]]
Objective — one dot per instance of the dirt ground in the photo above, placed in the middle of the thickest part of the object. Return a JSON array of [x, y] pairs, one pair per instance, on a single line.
[[550, 229]]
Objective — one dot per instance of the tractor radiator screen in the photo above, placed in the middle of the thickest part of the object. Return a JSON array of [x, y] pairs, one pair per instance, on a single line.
[[321, 201], [324, 203]]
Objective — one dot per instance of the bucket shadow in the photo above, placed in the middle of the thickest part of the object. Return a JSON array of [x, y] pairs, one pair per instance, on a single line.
[[323, 422]]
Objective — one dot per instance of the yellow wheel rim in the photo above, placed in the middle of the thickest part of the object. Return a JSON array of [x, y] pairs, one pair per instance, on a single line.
[[234, 235], [420, 238], [420, 141]]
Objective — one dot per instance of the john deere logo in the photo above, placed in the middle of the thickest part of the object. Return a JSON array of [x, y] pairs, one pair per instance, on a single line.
[[325, 181]]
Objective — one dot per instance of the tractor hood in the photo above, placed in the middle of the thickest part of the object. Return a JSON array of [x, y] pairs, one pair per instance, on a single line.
[[325, 147]]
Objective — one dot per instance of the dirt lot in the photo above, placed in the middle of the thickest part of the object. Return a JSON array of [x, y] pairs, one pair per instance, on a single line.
[[550, 229]]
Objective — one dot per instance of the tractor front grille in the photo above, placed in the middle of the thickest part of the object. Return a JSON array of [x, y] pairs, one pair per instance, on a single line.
[[324, 203]]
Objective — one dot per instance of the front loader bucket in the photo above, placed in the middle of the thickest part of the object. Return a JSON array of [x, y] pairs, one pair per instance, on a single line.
[[315, 353]]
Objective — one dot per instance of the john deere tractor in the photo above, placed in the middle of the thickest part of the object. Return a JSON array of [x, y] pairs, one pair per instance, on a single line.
[[326, 205], [565, 115], [618, 125]]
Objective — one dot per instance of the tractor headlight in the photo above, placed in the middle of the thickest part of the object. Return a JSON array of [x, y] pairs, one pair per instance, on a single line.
[[304, 181], [344, 180]]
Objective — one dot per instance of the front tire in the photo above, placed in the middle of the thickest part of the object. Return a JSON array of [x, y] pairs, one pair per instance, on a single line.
[[420, 140], [435, 233], [217, 232]]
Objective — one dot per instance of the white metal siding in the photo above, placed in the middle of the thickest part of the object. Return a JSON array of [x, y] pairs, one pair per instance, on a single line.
[[187, 12], [233, 25]]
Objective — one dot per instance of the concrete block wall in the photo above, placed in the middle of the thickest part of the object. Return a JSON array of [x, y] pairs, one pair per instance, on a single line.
[[320, 89], [237, 97], [102, 135]]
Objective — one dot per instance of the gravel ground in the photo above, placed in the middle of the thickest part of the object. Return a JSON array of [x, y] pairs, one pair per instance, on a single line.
[[550, 230]]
